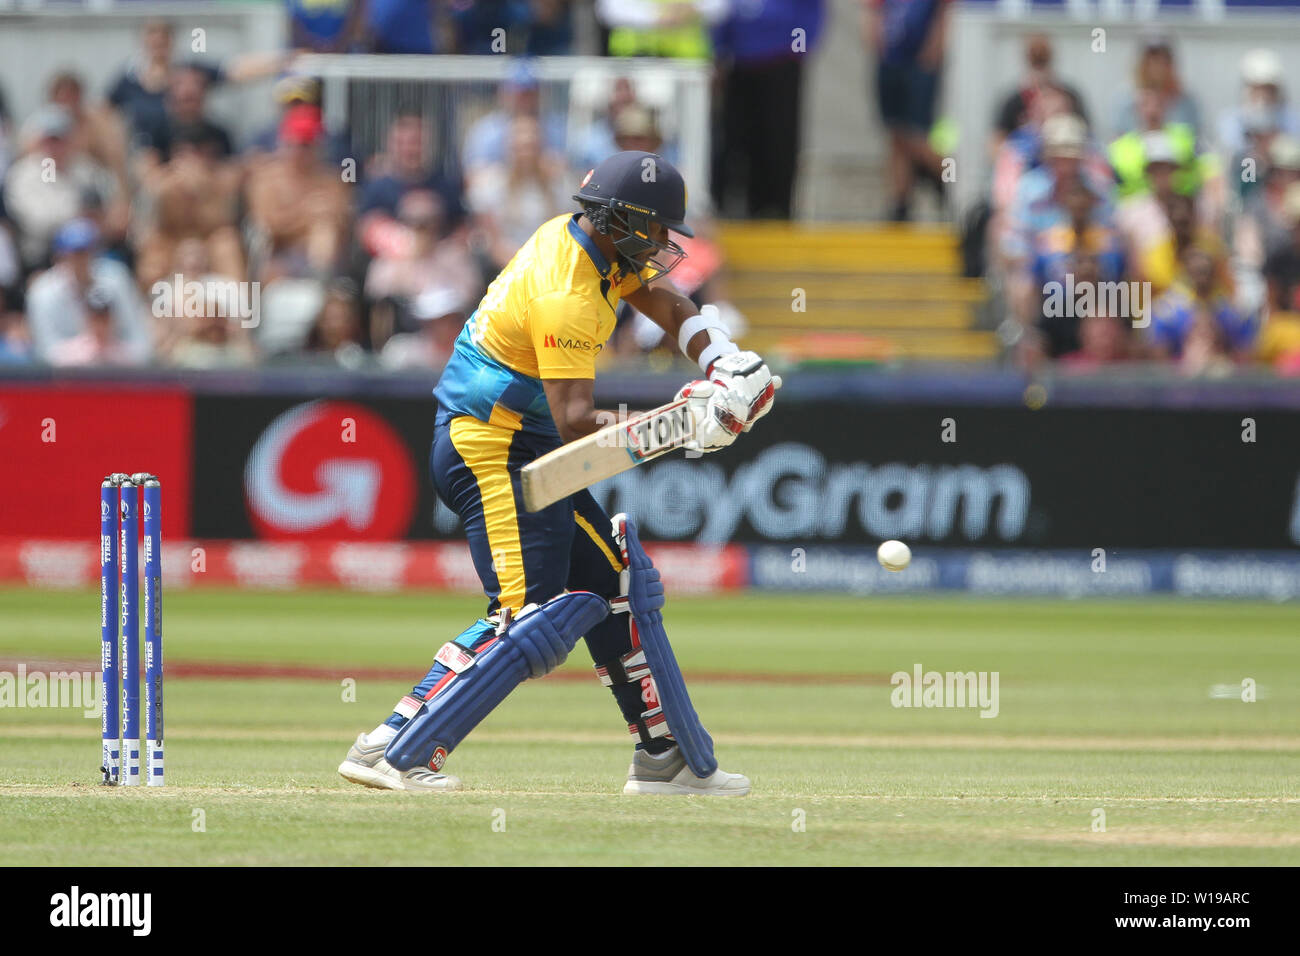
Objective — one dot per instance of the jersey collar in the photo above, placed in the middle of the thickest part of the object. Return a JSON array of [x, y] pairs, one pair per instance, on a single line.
[[581, 238]]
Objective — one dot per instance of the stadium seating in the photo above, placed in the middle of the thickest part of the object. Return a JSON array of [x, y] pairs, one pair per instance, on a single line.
[[871, 292]]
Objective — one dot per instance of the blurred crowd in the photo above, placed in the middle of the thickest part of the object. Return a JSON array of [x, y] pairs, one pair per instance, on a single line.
[[1143, 229], [136, 229]]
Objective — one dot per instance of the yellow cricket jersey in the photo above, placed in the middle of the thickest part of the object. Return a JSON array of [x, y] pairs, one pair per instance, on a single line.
[[547, 315]]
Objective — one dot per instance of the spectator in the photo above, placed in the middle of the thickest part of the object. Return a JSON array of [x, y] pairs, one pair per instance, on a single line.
[[1161, 263], [399, 26], [216, 341], [403, 168], [1038, 205], [1142, 216], [194, 195], [433, 256], [1128, 152], [324, 26], [335, 337], [15, 340], [637, 129], [7, 145], [100, 136], [1262, 112], [1157, 73], [15, 343], [298, 205], [510, 200], [56, 301], [185, 106], [1084, 246], [1282, 269], [38, 203], [99, 343], [213, 338], [597, 141], [761, 71], [440, 312], [487, 140], [535, 27], [1016, 109], [909, 38], [297, 89], [11, 266], [1055, 331], [143, 90], [1104, 339], [140, 91], [1023, 151], [670, 28], [1196, 323], [1261, 229]]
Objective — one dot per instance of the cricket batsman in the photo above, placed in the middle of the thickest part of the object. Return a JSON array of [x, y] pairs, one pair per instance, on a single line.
[[518, 385]]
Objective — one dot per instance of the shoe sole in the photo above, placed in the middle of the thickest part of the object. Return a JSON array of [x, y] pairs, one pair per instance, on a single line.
[[677, 789], [366, 776], [378, 780]]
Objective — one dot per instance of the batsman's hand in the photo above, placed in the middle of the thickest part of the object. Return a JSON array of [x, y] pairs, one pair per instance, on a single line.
[[719, 416], [748, 382]]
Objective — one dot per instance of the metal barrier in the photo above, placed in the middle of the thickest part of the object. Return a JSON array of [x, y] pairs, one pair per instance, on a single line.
[[364, 93]]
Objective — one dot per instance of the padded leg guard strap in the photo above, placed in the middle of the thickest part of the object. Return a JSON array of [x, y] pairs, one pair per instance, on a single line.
[[532, 646], [632, 668]]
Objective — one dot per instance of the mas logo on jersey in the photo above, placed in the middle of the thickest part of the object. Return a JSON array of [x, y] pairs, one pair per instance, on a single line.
[[560, 342], [330, 470]]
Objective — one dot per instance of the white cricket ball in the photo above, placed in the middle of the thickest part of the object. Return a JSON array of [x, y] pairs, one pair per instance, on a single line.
[[893, 555]]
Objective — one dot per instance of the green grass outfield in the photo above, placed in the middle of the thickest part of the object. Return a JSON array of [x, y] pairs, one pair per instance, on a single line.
[[1103, 706]]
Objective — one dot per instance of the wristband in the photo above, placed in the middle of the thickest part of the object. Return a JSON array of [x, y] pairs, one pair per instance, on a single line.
[[714, 351], [719, 342]]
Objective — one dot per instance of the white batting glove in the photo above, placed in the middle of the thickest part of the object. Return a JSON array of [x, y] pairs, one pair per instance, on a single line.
[[748, 382], [719, 416]]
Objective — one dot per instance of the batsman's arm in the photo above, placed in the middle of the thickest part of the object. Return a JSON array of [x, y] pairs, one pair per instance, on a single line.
[[574, 408], [672, 311], [748, 386]]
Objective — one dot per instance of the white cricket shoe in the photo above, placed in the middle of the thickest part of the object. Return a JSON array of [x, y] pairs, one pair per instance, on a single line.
[[668, 773], [365, 764]]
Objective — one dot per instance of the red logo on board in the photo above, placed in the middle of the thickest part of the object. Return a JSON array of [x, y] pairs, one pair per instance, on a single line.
[[330, 470]]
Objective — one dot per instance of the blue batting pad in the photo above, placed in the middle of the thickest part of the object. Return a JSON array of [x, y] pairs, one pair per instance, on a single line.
[[645, 599], [531, 647]]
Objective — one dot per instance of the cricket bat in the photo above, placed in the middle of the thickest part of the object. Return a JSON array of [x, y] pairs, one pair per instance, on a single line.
[[605, 453]]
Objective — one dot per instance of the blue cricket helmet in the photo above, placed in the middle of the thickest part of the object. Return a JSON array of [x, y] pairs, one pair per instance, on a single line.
[[629, 192]]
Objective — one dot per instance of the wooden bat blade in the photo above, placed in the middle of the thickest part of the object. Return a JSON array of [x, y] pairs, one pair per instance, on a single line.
[[605, 453]]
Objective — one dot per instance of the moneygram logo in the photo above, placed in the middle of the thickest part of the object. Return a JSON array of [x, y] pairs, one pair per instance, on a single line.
[[790, 491]]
